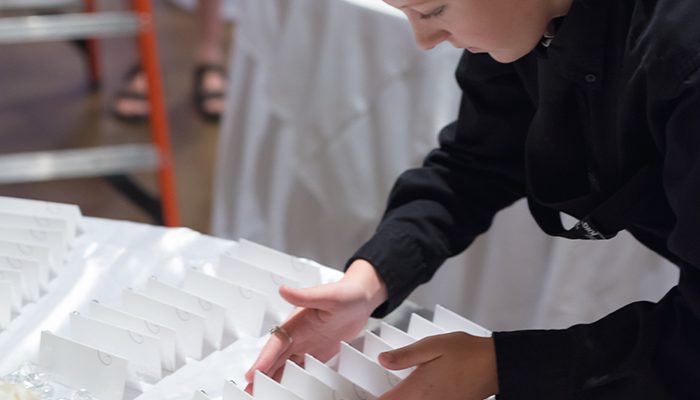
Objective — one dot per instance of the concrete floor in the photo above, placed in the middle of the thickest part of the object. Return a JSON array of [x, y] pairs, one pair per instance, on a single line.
[[45, 103]]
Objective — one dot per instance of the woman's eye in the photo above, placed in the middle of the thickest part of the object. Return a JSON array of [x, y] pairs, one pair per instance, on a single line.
[[435, 13]]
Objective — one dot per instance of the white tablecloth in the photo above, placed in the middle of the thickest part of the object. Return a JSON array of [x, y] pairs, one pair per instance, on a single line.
[[329, 100]]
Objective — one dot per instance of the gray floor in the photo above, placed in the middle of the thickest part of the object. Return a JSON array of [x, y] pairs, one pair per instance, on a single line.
[[45, 103]]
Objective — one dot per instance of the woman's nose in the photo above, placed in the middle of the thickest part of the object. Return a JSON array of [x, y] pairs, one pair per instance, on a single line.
[[427, 39]]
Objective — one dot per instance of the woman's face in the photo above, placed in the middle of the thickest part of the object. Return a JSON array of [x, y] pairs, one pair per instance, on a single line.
[[506, 29]]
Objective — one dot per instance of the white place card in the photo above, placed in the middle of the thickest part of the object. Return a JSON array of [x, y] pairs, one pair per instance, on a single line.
[[374, 345], [38, 254], [55, 241], [142, 351], [340, 384], [248, 275], [264, 388], [364, 372], [78, 366], [233, 392], [189, 327], [30, 275], [43, 209], [419, 327], [17, 282], [6, 289], [304, 384], [171, 356], [394, 336], [450, 321], [11, 220], [278, 262], [245, 308], [212, 312], [201, 395]]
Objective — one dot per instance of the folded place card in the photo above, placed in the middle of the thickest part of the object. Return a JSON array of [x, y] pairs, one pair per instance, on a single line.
[[340, 384], [453, 322], [212, 312], [304, 384], [264, 388], [248, 275], [55, 241], [10, 220], [171, 355], [17, 282], [364, 372], [6, 289], [280, 263], [30, 275], [43, 209], [233, 392], [245, 308], [374, 345], [189, 327], [38, 254], [79, 366], [419, 327], [142, 351], [200, 395], [394, 336]]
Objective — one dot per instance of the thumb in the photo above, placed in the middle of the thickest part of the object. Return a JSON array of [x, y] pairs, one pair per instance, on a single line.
[[412, 355], [323, 297]]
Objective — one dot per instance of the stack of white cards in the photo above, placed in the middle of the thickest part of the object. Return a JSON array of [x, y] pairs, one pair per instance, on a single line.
[[35, 243]]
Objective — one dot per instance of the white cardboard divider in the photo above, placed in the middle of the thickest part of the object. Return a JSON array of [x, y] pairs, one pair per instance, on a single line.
[[245, 308], [278, 262], [340, 384], [6, 289], [170, 354], [17, 282], [212, 312], [30, 275], [79, 366], [38, 254], [264, 388], [189, 327], [141, 351], [374, 345], [419, 327], [43, 209], [394, 336], [453, 322], [364, 372], [250, 276], [233, 392], [304, 384]]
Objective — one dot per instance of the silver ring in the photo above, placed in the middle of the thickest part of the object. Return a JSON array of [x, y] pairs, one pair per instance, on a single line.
[[279, 329]]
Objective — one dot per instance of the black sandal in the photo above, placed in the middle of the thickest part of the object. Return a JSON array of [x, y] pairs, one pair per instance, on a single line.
[[128, 94], [201, 95]]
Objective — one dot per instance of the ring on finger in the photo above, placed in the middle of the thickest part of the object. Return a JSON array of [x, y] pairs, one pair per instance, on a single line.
[[283, 332]]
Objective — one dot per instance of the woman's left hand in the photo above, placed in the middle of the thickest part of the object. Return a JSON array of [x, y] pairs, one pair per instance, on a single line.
[[450, 366]]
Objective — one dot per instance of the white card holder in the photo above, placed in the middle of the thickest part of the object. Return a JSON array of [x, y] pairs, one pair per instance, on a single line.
[[340, 384], [200, 395], [245, 308], [79, 366], [374, 345], [38, 254], [141, 351], [453, 322], [278, 262], [18, 285], [304, 384], [43, 209], [6, 290], [394, 336], [364, 372], [419, 327], [171, 355], [264, 388], [55, 241], [212, 312], [233, 392], [23, 221], [250, 276], [189, 327], [30, 275]]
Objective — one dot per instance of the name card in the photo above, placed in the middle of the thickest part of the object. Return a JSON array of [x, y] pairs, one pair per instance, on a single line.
[[419, 327], [364, 372], [453, 322], [278, 262], [340, 384], [30, 275], [304, 384]]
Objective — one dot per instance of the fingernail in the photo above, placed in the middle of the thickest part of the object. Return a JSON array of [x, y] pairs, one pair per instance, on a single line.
[[388, 357]]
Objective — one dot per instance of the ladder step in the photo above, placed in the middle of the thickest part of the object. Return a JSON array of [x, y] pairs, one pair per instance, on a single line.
[[37, 28], [80, 163], [33, 4]]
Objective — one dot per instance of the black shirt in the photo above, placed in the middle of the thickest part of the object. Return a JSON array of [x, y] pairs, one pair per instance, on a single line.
[[615, 96]]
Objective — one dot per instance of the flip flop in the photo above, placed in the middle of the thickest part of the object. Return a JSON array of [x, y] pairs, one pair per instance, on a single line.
[[129, 94], [201, 95]]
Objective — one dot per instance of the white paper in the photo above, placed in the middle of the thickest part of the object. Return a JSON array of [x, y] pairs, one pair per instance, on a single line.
[[212, 312], [264, 388], [394, 336], [189, 327], [453, 322], [55, 241], [245, 308], [6, 289], [200, 395], [419, 327], [30, 275], [17, 281], [38, 254], [248, 275], [364, 372], [170, 355], [374, 345], [142, 351], [340, 384], [278, 262], [304, 384], [11, 220], [83, 367], [233, 392], [43, 209]]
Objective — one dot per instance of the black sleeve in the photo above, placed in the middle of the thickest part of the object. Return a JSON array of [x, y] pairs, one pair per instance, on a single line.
[[437, 210], [644, 350]]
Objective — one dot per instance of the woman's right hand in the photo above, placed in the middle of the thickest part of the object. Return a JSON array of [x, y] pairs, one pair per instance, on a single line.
[[326, 315]]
